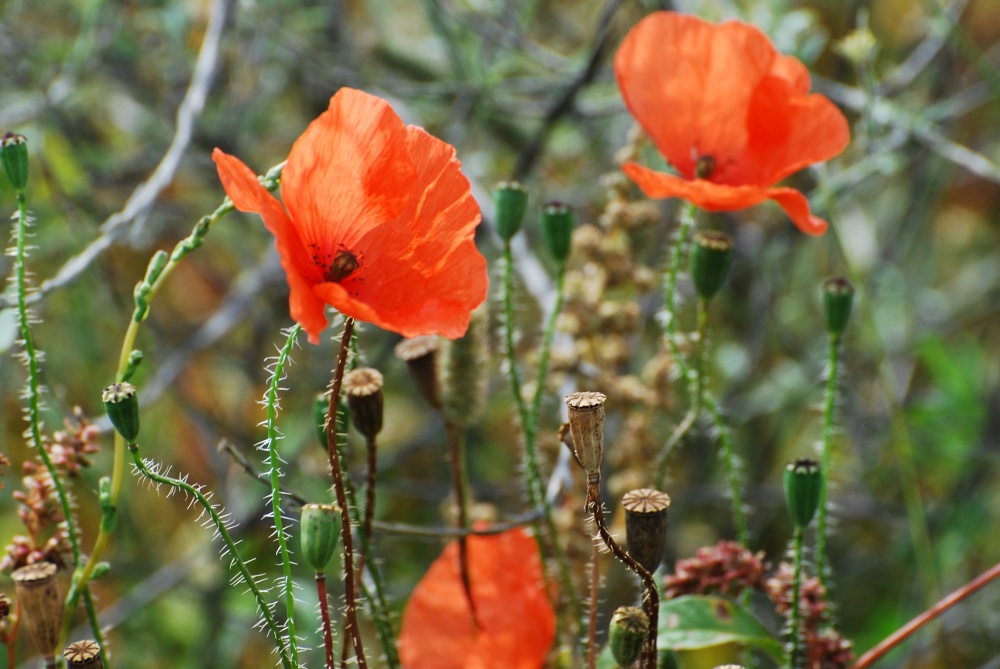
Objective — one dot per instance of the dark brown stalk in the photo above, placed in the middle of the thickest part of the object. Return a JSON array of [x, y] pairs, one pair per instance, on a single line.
[[458, 478], [595, 582], [904, 632], [650, 597], [324, 608], [371, 445], [337, 474]]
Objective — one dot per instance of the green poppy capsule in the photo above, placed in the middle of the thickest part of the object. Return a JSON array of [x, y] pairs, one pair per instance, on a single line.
[[122, 407], [510, 200], [626, 633], [803, 483], [557, 221], [838, 298], [14, 156], [711, 258], [320, 529]]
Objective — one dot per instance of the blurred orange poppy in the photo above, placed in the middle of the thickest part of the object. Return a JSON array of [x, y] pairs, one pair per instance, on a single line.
[[728, 112], [517, 623], [378, 221]]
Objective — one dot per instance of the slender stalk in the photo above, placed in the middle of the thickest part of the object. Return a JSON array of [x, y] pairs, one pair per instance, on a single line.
[[829, 408], [907, 630], [650, 595], [220, 527], [371, 446], [459, 477], [794, 622], [699, 356], [337, 474], [271, 402], [595, 582], [529, 423], [324, 609]]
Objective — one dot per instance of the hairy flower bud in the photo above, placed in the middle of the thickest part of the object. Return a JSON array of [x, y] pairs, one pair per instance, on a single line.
[[363, 388], [557, 221], [646, 525], [626, 633], [586, 426], [320, 528], [711, 257], [510, 200], [122, 406], [41, 606], [803, 482], [838, 298]]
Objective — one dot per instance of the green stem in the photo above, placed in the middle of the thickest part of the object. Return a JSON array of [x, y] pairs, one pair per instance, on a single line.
[[220, 527], [794, 622], [271, 400], [529, 422], [829, 408], [699, 356]]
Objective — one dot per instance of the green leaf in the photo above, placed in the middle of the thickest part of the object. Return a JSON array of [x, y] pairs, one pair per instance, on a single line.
[[696, 622]]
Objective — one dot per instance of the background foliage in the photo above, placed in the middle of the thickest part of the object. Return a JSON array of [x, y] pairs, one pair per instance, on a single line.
[[520, 88]]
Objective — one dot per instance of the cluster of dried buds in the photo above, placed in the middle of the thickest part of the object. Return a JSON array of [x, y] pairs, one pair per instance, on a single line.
[[726, 568]]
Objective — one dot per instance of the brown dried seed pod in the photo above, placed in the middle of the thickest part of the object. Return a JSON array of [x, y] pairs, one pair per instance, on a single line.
[[38, 593], [363, 388], [420, 355], [646, 525], [84, 654], [586, 425]]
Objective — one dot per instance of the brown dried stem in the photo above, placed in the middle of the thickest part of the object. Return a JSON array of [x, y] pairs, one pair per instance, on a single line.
[[324, 609], [595, 582], [458, 477]]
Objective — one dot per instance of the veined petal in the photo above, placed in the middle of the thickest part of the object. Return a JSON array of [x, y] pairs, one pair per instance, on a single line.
[[796, 206], [248, 195], [705, 194]]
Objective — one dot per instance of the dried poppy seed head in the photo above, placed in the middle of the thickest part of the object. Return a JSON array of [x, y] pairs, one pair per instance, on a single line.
[[420, 355], [363, 388], [586, 426], [38, 594], [84, 654], [646, 525]]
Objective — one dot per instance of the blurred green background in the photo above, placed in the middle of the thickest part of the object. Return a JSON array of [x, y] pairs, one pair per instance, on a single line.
[[110, 93]]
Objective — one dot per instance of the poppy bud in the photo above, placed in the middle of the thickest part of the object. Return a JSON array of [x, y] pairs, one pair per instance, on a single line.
[[122, 407], [803, 482], [464, 379], [101, 570], [711, 257], [83, 655], [363, 388], [420, 356], [646, 525], [41, 606], [557, 229], [510, 199], [626, 634], [14, 155], [586, 426], [838, 297], [320, 527]]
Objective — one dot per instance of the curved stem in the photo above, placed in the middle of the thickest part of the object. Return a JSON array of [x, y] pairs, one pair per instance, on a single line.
[[273, 461], [220, 527], [829, 408], [794, 622]]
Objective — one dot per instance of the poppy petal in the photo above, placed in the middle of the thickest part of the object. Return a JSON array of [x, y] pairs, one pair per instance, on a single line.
[[349, 172], [248, 195], [796, 206], [517, 620], [705, 194]]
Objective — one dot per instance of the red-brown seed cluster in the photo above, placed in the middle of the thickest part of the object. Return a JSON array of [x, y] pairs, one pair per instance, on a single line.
[[726, 568]]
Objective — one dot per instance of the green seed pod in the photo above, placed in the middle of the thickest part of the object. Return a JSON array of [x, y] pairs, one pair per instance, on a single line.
[[711, 257], [557, 221], [122, 406], [803, 483], [14, 156], [510, 200], [626, 633], [83, 655], [838, 298], [320, 534]]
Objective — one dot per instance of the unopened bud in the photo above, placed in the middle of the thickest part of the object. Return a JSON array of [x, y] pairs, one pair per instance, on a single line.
[[646, 525], [421, 355], [41, 606], [711, 257], [14, 156], [510, 200], [83, 655], [363, 388], [557, 221], [122, 406], [586, 426], [626, 634], [463, 380], [320, 527], [803, 483], [838, 298]]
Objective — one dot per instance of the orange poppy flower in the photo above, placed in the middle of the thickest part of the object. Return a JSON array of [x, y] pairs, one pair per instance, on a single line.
[[378, 221], [517, 623], [728, 112]]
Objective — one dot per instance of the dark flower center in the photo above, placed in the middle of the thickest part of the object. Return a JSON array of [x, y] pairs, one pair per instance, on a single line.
[[704, 167], [343, 265]]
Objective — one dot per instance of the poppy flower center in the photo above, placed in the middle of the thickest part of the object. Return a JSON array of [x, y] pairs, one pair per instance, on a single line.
[[704, 167], [342, 266]]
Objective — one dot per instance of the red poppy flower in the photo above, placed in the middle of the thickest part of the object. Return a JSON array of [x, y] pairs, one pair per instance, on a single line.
[[517, 623], [731, 114], [377, 221]]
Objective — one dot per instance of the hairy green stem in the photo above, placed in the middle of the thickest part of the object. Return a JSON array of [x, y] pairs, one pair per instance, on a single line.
[[220, 527], [794, 622], [829, 408], [271, 401]]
